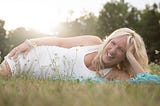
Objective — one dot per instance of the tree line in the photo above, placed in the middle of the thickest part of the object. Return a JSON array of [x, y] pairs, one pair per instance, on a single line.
[[114, 15]]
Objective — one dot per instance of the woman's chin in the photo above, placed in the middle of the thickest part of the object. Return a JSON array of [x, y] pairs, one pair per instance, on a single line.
[[107, 63]]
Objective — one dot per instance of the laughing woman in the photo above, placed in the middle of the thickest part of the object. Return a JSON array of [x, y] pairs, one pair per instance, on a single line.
[[120, 56]]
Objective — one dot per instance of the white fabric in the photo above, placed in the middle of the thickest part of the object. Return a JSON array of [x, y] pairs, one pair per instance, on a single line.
[[54, 62]]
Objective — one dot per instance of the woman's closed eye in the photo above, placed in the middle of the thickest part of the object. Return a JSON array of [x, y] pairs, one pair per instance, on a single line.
[[113, 43], [121, 49]]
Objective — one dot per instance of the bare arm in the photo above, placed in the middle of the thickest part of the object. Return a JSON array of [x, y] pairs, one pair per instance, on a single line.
[[132, 60], [135, 65], [69, 42]]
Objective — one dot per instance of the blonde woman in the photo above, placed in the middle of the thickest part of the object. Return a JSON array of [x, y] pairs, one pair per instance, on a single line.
[[120, 56]]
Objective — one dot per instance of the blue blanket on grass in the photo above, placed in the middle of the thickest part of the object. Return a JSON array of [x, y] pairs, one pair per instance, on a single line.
[[146, 78], [140, 78]]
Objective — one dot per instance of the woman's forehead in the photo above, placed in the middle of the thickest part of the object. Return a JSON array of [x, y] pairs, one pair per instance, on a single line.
[[120, 38], [121, 41]]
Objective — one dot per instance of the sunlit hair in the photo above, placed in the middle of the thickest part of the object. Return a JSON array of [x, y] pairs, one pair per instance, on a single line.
[[139, 54]]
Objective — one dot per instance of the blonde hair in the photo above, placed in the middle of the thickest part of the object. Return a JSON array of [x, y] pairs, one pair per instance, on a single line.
[[139, 54]]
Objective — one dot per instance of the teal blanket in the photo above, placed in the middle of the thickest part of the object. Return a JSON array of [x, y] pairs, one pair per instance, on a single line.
[[140, 78], [146, 78]]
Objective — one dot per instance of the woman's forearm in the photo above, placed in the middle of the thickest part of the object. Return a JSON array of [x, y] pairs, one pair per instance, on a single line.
[[135, 65], [27, 45]]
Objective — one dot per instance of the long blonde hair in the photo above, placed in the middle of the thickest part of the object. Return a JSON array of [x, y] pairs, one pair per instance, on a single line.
[[140, 53]]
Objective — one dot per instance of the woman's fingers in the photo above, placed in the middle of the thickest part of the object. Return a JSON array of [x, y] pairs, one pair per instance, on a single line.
[[12, 52], [131, 47], [22, 48], [25, 53], [16, 55]]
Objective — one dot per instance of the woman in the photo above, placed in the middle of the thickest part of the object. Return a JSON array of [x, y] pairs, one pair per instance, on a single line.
[[120, 56]]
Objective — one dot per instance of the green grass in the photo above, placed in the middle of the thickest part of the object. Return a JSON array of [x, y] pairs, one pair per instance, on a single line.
[[37, 92], [155, 69]]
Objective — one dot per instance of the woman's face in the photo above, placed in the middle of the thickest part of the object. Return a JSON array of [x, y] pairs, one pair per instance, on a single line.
[[115, 51]]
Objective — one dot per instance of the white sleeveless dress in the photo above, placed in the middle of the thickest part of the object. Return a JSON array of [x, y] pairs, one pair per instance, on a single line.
[[54, 62]]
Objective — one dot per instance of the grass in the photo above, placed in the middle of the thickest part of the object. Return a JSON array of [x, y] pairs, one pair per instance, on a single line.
[[37, 92]]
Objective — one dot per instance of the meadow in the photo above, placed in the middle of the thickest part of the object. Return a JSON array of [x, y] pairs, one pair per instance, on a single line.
[[25, 91]]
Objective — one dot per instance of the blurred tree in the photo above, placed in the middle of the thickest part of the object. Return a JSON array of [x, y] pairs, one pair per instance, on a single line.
[[134, 18], [116, 15], [3, 40], [88, 24], [85, 24], [112, 16], [150, 30], [17, 36]]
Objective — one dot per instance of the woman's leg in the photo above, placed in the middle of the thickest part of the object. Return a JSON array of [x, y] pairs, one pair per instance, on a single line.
[[4, 69]]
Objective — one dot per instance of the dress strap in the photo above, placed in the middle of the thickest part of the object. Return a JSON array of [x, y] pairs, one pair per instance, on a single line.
[[105, 71]]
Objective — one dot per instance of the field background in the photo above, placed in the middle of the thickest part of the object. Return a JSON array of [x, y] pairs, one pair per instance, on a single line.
[[25, 91]]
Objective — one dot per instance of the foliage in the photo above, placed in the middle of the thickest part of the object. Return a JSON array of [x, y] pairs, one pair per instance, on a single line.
[[113, 16], [150, 30], [3, 39], [155, 68], [83, 25]]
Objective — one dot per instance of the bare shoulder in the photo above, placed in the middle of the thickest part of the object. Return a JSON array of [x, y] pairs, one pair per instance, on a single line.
[[117, 74]]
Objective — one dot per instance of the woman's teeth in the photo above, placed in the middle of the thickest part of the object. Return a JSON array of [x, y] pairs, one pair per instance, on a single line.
[[109, 55]]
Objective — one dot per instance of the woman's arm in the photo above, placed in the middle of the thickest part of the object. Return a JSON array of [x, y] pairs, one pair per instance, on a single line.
[[132, 60], [134, 63], [69, 42]]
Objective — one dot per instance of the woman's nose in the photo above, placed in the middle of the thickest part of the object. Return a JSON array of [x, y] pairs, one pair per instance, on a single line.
[[113, 50]]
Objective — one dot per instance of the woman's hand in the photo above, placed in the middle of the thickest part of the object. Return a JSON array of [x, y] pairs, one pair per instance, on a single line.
[[132, 60], [22, 48], [130, 49]]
